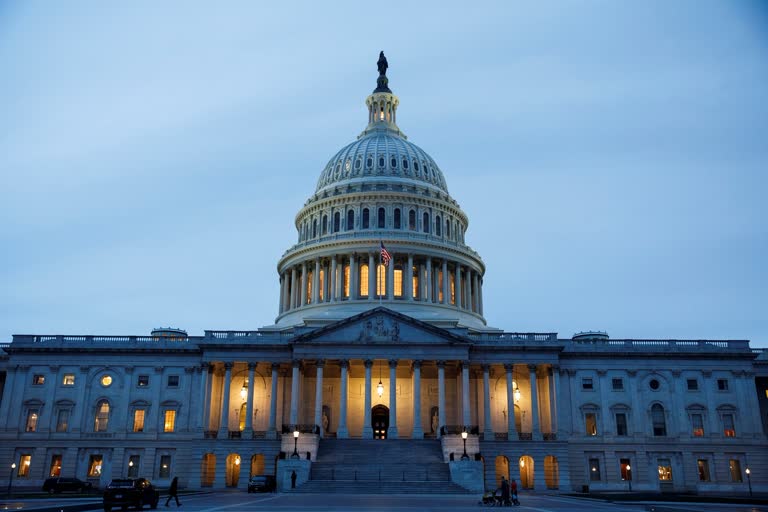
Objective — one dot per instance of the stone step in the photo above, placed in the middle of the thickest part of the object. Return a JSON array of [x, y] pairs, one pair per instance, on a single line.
[[363, 487], [389, 450], [387, 472]]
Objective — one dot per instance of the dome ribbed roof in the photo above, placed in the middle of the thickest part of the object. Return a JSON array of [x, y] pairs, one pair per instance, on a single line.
[[382, 154]]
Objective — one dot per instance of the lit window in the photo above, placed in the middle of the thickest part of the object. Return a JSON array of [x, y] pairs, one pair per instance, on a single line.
[[173, 381], [364, 280], [381, 280], [321, 284], [38, 380], [702, 466], [32, 417], [594, 470], [625, 469], [453, 287], [170, 421], [106, 380], [734, 466], [55, 468], [102, 416], [591, 423], [308, 298], [138, 420], [62, 420], [440, 289], [25, 461], [415, 282], [143, 381], [729, 427], [346, 281], [398, 282], [94, 466], [697, 422], [165, 466], [665, 470], [68, 380]]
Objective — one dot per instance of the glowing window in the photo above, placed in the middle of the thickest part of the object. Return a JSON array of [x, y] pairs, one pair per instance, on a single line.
[[440, 289], [321, 284], [381, 280], [453, 287], [25, 461], [169, 423], [62, 420], [138, 420], [308, 298], [346, 281], [398, 282], [729, 427], [665, 470], [38, 380], [415, 283], [68, 380], [734, 466], [55, 468], [32, 417], [591, 423], [364, 280], [94, 465], [703, 470], [102, 417], [697, 422]]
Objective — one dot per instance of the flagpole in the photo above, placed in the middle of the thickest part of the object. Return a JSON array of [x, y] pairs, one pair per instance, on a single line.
[[381, 244]]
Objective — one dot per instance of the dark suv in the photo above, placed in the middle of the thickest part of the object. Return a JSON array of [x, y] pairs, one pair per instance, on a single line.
[[133, 492], [262, 483], [59, 484]]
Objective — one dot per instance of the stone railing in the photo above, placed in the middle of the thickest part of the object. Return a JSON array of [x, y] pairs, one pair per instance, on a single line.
[[595, 344], [99, 340], [306, 428], [549, 436], [525, 436], [210, 434], [514, 336]]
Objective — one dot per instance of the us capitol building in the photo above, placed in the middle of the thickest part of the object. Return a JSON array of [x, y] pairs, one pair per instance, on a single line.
[[381, 374]]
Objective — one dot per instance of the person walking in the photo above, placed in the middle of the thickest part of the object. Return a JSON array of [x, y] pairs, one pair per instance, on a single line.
[[513, 492], [293, 479], [173, 491], [504, 491]]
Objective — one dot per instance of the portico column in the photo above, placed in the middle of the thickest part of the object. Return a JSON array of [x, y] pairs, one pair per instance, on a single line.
[[534, 402], [390, 279], [371, 277], [428, 281], [446, 284], [295, 393], [487, 427], [367, 430], [319, 397], [511, 428], [303, 298], [552, 400], [203, 417], [249, 401], [334, 295], [224, 424], [273, 402], [440, 397], [293, 287], [342, 432], [457, 285], [465, 418], [316, 282], [418, 432], [354, 287], [392, 431], [409, 278]]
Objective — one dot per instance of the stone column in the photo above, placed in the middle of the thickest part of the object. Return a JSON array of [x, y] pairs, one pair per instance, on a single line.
[[342, 432], [428, 281], [367, 430], [294, 284], [390, 279], [354, 286], [282, 294], [294, 419], [487, 427], [422, 283], [468, 289], [392, 432], [457, 285], [334, 295], [249, 399], [480, 295], [552, 400], [465, 418], [446, 284], [475, 292], [440, 397], [224, 423], [319, 397], [315, 298], [303, 298], [203, 417], [409, 278], [418, 431], [511, 428], [371, 277], [273, 402], [535, 402]]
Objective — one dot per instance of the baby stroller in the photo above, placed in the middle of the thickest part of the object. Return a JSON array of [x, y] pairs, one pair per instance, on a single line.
[[494, 499]]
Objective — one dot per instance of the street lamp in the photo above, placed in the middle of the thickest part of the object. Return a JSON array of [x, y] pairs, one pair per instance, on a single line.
[[295, 444], [749, 481], [10, 478], [629, 476], [464, 438]]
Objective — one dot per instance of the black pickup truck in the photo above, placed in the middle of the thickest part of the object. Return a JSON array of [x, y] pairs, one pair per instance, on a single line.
[[130, 492]]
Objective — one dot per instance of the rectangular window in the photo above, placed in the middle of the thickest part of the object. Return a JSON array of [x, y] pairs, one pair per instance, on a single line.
[[143, 381], [381, 280], [94, 466], [62, 420], [25, 461], [399, 283], [594, 470], [729, 427], [346, 281], [38, 380], [587, 383], [165, 466], [68, 379], [453, 287], [170, 421], [665, 470], [138, 420], [321, 285], [591, 424], [363, 280], [173, 381], [703, 470], [621, 424], [415, 282], [133, 466], [734, 466], [722, 384], [693, 385], [32, 417], [55, 467], [618, 384], [697, 422], [440, 292], [308, 298], [625, 469]]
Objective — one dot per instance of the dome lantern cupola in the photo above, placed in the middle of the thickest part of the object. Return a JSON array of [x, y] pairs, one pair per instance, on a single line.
[[382, 105]]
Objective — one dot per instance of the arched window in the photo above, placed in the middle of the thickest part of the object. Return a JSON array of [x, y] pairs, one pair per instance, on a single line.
[[405, 164], [412, 220], [358, 164], [438, 226], [314, 228], [416, 167], [659, 421], [425, 223], [369, 162], [381, 161], [336, 222], [382, 218], [350, 220], [366, 218], [325, 224], [364, 280], [398, 224], [102, 416], [447, 228], [393, 162]]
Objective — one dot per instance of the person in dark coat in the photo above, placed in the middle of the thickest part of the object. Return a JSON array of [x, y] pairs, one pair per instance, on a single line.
[[504, 491], [513, 492], [293, 479], [173, 492]]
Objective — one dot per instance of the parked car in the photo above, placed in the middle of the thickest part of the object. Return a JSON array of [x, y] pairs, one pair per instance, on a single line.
[[130, 492], [60, 484], [262, 483]]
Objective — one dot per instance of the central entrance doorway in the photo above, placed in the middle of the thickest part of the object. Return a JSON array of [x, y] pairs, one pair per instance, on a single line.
[[380, 421]]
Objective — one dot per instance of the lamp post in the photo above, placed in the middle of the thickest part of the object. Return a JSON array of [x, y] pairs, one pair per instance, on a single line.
[[629, 477], [10, 478], [295, 444], [130, 467], [464, 438], [749, 481]]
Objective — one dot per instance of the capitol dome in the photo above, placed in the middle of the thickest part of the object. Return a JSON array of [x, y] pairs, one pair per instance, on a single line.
[[381, 229]]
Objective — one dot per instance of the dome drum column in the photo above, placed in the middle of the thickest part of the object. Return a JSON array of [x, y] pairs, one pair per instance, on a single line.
[[409, 278], [457, 285], [303, 298], [334, 295], [428, 288], [353, 277], [446, 279], [293, 287]]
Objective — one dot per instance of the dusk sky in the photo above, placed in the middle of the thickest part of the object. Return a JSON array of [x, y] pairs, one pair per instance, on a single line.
[[612, 157]]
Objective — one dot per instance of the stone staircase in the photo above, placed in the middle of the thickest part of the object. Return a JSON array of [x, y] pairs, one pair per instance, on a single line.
[[390, 466]]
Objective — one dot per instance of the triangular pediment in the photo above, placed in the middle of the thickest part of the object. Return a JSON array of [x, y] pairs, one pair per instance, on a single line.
[[381, 326]]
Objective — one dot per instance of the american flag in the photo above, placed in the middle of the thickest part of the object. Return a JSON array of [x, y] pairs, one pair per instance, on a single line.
[[385, 256]]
